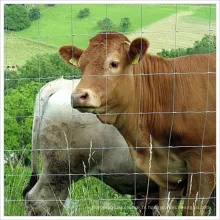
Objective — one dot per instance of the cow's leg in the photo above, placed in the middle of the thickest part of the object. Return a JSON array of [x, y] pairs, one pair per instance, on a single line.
[[201, 182], [143, 161], [47, 197]]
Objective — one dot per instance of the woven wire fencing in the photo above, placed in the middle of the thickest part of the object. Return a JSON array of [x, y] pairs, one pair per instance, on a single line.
[[84, 166]]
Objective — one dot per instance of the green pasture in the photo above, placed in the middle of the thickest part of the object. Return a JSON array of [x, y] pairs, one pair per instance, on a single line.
[[206, 12], [59, 25], [19, 50]]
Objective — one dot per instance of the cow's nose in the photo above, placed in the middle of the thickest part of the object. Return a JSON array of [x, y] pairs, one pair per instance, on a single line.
[[79, 99]]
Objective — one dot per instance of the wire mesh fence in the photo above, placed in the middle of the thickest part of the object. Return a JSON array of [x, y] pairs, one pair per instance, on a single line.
[[81, 158]]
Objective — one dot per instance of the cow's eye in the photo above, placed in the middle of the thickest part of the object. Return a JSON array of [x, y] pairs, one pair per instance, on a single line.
[[113, 64]]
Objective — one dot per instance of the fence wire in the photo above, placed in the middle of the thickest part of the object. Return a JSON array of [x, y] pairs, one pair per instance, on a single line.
[[89, 165]]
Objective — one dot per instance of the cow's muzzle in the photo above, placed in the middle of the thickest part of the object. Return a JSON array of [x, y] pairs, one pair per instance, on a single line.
[[85, 100]]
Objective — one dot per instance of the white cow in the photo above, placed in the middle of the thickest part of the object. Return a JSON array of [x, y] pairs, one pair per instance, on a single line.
[[74, 145]]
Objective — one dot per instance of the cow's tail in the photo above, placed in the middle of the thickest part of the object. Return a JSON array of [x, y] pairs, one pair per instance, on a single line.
[[40, 104]]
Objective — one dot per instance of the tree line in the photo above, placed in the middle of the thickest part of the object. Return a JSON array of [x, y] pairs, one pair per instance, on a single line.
[[18, 17]]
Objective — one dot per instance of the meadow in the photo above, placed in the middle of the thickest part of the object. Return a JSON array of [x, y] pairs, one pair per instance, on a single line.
[[57, 26]]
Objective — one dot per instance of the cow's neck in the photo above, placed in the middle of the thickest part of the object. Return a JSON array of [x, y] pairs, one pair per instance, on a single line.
[[153, 94]]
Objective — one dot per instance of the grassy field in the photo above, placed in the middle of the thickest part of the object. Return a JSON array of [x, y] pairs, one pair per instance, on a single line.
[[61, 20], [59, 23], [206, 13], [89, 196], [19, 50]]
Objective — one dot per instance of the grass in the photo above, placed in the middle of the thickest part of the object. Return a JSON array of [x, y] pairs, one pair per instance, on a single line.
[[89, 196], [19, 50], [203, 14], [13, 187], [206, 12], [61, 20], [58, 23]]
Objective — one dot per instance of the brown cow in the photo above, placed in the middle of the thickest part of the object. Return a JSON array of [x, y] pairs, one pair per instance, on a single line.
[[171, 100]]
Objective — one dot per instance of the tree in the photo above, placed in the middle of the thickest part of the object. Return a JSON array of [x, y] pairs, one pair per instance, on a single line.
[[125, 24], [34, 13], [105, 24], [16, 17], [206, 45], [18, 112], [43, 68], [83, 13]]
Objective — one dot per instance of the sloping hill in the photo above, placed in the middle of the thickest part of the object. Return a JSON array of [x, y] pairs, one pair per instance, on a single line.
[[175, 31], [18, 50], [59, 25]]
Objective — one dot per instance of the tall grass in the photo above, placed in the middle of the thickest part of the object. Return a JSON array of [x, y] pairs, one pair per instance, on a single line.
[[88, 197]]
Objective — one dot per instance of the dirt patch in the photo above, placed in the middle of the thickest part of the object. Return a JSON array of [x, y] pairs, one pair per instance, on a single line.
[[175, 31]]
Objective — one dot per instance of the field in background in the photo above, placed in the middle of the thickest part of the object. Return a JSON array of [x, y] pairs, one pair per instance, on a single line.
[[180, 30], [57, 25], [19, 50]]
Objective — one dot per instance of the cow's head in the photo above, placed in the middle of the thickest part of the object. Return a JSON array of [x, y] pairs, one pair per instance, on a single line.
[[107, 69]]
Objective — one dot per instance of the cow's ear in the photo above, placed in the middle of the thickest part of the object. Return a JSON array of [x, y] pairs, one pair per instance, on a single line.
[[70, 54], [137, 49]]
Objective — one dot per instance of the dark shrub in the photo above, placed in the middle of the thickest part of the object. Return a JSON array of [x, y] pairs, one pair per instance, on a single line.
[[34, 13], [205, 45], [16, 17], [105, 24], [125, 24], [83, 13]]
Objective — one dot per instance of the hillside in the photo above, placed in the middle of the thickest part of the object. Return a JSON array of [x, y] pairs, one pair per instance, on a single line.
[[59, 25]]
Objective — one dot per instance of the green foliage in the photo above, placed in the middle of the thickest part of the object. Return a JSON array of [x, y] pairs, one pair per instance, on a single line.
[[109, 203], [206, 45], [40, 68], [48, 67], [18, 112], [125, 24], [34, 13], [89, 196], [83, 13], [16, 178], [105, 24], [16, 17]]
